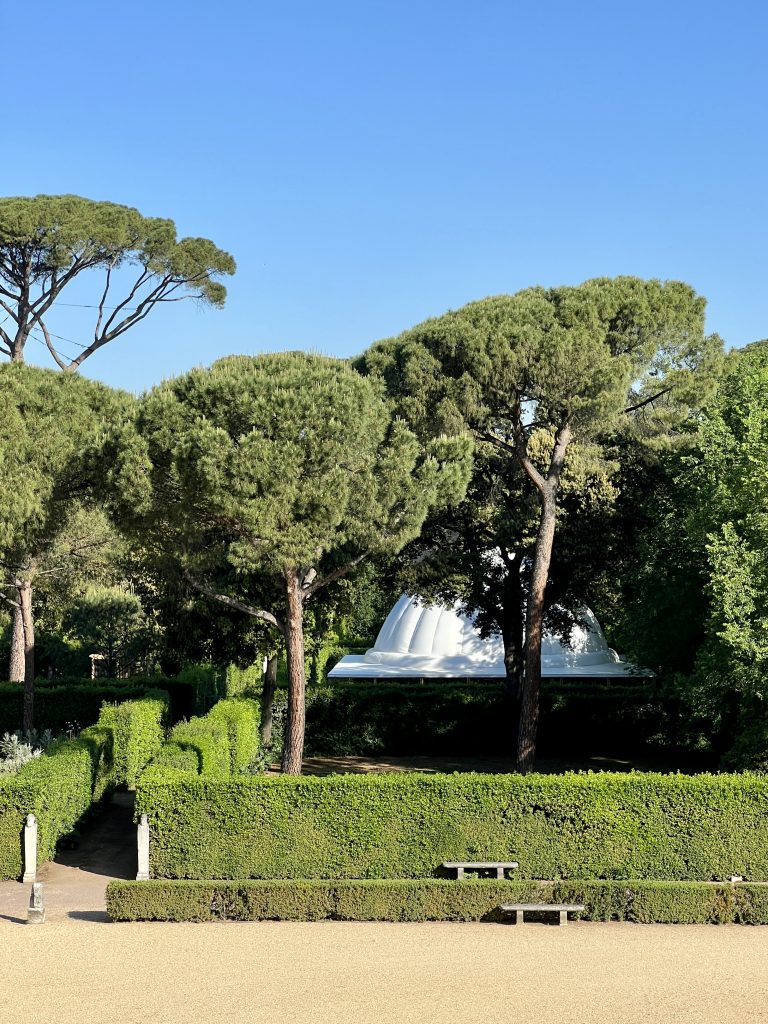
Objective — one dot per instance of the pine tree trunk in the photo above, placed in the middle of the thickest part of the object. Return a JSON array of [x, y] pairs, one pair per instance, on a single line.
[[16, 670], [267, 700], [25, 600], [534, 620], [534, 624], [293, 747]]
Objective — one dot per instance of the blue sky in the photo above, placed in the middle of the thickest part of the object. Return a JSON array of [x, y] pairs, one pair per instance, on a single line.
[[369, 165]]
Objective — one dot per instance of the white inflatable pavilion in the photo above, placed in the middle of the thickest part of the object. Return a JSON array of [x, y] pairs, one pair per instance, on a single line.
[[425, 641]]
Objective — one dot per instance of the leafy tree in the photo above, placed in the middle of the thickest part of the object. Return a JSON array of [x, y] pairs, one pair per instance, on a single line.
[[47, 242], [52, 439], [110, 621], [531, 375], [279, 475]]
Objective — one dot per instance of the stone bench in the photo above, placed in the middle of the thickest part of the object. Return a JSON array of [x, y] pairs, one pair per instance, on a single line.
[[563, 909], [499, 866]]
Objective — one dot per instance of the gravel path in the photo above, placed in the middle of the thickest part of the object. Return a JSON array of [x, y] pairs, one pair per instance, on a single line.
[[70, 970]]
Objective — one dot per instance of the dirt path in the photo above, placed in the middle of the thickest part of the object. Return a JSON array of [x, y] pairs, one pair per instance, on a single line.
[[343, 973], [74, 883]]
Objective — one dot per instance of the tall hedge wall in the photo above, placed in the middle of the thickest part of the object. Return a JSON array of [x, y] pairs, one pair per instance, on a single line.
[[452, 717], [75, 705], [220, 744], [57, 788], [138, 732], [578, 825]]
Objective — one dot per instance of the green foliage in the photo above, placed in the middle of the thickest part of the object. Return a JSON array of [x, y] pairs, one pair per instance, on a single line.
[[454, 717], [223, 743], [138, 729], [48, 241], [242, 718], [58, 788], [572, 826], [431, 899], [69, 706]]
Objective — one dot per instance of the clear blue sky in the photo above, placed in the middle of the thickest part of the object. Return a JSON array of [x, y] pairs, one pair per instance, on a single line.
[[369, 165]]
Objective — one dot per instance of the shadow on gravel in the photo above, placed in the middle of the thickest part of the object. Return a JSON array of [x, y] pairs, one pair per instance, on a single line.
[[100, 916]]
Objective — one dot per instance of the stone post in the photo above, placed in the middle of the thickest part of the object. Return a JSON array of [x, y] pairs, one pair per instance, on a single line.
[[30, 849], [36, 912], [142, 842]]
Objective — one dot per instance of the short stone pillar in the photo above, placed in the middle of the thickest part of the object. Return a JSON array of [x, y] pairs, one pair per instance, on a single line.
[[30, 849], [36, 912], [142, 842]]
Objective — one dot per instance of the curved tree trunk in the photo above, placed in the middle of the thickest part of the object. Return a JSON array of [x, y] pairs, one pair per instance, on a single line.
[[534, 620], [293, 747], [534, 624], [267, 699], [25, 600], [16, 669]]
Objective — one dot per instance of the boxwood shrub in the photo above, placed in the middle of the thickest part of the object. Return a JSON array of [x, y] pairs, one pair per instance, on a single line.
[[58, 788], [404, 825], [138, 731], [432, 899], [220, 744]]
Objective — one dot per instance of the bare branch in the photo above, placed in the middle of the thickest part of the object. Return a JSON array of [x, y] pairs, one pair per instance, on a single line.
[[62, 365], [308, 591], [231, 602], [647, 401]]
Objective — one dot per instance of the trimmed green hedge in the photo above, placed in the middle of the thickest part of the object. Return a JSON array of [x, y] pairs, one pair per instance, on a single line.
[[63, 706], [243, 719], [577, 825], [58, 788], [138, 728], [432, 900], [450, 717], [220, 744]]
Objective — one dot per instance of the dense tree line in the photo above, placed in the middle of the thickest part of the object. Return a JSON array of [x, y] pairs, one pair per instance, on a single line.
[[524, 455]]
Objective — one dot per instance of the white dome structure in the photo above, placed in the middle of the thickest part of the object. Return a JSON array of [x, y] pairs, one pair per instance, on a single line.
[[424, 641]]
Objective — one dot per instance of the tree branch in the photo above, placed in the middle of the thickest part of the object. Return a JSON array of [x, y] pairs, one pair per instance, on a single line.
[[62, 365], [337, 574], [231, 602], [647, 401]]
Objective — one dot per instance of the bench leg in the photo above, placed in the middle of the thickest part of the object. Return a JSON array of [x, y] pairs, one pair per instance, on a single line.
[[519, 917], [499, 872], [459, 872], [563, 917]]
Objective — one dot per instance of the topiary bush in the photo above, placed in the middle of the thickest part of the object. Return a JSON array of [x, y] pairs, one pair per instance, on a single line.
[[571, 826], [138, 729]]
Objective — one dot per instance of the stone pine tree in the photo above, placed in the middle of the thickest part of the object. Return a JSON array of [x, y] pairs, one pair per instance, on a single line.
[[531, 373], [132, 262], [280, 474], [52, 435]]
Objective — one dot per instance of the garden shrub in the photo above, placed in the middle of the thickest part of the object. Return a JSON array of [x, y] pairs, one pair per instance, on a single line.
[[571, 826], [450, 717], [72, 705], [431, 899], [138, 728], [58, 788], [222, 743], [242, 718]]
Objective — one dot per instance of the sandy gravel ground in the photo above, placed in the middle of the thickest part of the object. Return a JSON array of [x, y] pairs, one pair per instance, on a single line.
[[75, 970]]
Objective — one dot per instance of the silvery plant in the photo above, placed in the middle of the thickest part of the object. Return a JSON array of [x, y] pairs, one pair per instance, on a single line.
[[17, 749]]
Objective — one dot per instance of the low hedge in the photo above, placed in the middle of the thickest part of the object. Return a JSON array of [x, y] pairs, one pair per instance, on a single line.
[[58, 788], [576, 825], [432, 900]]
